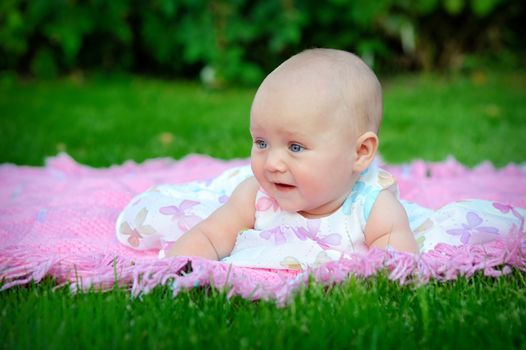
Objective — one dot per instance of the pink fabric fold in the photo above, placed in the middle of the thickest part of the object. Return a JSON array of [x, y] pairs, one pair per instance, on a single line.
[[58, 221]]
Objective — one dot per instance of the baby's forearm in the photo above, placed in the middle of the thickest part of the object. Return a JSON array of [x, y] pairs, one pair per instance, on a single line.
[[194, 243], [215, 237], [402, 242]]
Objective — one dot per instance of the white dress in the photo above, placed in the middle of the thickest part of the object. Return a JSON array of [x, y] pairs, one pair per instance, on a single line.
[[284, 240]]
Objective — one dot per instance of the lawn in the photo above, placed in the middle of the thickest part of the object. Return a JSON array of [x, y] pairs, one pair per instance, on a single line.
[[107, 121], [102, 121]]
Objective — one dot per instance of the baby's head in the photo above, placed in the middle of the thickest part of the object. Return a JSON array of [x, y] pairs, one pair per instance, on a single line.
[[314, 122], [336, 84]]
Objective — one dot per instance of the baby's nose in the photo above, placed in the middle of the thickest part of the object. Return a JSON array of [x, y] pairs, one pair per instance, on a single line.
[[275, 161]]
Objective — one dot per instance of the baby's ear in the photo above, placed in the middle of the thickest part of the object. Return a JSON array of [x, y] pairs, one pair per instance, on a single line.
[[366, 147]]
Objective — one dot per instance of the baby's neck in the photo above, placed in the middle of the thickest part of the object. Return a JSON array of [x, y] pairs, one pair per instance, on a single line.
[[308, 215], [325, 210]]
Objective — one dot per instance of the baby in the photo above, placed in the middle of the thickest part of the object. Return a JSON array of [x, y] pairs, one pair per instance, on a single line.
[[313, 192]]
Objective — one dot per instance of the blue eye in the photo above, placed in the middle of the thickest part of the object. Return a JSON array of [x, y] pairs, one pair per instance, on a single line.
[[261, 144], [296, 148]]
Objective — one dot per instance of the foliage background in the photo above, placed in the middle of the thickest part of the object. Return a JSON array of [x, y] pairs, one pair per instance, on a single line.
[[225, 41]]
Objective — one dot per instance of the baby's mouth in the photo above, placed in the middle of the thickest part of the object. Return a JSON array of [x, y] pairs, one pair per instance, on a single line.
[[283, 187]]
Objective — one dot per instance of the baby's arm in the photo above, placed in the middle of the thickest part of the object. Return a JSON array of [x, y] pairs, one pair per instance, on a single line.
[[214, 237], [388, 225]]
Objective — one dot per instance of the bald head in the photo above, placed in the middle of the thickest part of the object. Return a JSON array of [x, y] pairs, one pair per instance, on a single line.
[[331, 82]]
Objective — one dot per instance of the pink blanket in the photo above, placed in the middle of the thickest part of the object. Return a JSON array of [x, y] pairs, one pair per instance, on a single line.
[[59, 220]]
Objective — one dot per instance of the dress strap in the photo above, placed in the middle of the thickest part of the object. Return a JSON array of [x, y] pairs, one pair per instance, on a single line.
[[367, 188]]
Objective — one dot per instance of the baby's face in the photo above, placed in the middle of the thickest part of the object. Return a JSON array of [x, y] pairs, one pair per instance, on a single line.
[[303, 152]]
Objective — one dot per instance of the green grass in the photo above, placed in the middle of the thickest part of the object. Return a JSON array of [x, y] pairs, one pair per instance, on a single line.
[[102, 122], [107, 121], [472, 118], [373, 313]]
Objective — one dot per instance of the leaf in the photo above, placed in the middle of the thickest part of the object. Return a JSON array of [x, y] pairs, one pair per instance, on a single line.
[[125, 228], [454, 7], [146, 230], [483, 8], [141, 217], [43, 64]]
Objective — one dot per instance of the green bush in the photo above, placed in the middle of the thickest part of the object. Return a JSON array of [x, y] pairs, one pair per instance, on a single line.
[[240, 40]]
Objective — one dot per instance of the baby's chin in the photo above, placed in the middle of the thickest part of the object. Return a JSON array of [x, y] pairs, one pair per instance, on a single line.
[[286, 206], [287, 199], [289, 206]]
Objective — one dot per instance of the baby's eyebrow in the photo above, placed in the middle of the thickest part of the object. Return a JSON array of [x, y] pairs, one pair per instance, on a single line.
[[287, 133], [255, 129], [296, 135]]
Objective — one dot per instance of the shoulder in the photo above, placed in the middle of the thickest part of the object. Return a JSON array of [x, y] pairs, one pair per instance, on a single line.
[[238, 212], [371, 183], [377, 177], [244, 196], [249, 186], [386, 215], [388, 226]]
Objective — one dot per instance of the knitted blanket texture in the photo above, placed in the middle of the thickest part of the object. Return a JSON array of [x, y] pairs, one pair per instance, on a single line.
[[59, 221]]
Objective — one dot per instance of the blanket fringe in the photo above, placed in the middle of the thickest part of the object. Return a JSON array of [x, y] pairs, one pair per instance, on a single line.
[[81, 273]]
